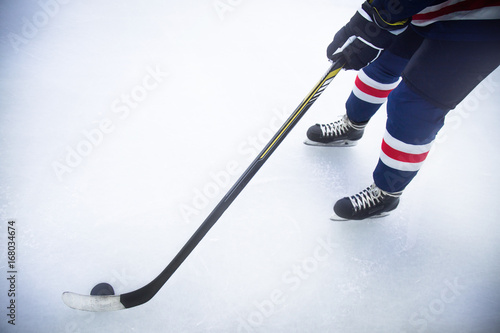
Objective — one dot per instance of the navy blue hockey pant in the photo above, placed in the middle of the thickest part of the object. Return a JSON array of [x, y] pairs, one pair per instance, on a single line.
[[436, 76]]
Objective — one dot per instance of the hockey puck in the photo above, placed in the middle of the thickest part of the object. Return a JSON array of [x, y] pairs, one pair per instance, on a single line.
[[102, 289]]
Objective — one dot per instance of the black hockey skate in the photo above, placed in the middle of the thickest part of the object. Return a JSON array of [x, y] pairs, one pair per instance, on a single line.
[[372, 202], [341, 133]]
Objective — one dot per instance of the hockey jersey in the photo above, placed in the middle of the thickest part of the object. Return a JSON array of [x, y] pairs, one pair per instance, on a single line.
[[473, 20]]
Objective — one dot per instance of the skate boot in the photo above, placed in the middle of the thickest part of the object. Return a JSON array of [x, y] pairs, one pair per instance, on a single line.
[[343, 132], [370, 203]]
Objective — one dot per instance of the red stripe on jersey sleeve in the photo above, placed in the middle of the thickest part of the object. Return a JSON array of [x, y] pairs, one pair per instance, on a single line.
[[458, 7]]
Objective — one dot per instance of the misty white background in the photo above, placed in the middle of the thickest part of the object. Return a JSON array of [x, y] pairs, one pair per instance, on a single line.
[[228, 72]]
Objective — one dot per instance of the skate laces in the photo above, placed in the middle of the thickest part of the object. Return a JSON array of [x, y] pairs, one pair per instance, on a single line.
[[336, 128], [369, 197], [365, 199]]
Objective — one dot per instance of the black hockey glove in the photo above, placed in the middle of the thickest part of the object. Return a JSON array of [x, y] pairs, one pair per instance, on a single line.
[[363, 38]]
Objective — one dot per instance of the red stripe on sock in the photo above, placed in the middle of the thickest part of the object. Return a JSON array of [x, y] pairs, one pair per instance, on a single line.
[[402, 156], [371, 90]]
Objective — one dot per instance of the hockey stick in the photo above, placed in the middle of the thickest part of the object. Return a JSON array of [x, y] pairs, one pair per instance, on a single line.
[[144, 294]]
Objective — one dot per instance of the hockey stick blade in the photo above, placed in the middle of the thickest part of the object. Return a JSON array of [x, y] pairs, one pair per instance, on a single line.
[[92, 303], [144, 294]]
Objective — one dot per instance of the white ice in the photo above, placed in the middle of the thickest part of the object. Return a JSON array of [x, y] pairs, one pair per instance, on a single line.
[[105, 191]]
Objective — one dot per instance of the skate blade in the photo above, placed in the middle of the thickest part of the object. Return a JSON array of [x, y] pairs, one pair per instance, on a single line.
[[343, 143], [337, 218]]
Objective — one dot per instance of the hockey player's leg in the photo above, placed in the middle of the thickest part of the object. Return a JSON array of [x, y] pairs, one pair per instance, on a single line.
[[436, 80], [411, 128], [373, 85], [371, 88]]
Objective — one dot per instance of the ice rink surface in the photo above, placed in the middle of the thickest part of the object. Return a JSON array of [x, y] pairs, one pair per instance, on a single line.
[[123, 123]]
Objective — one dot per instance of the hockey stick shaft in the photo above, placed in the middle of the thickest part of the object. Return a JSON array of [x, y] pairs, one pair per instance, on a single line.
[[144, 294]]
